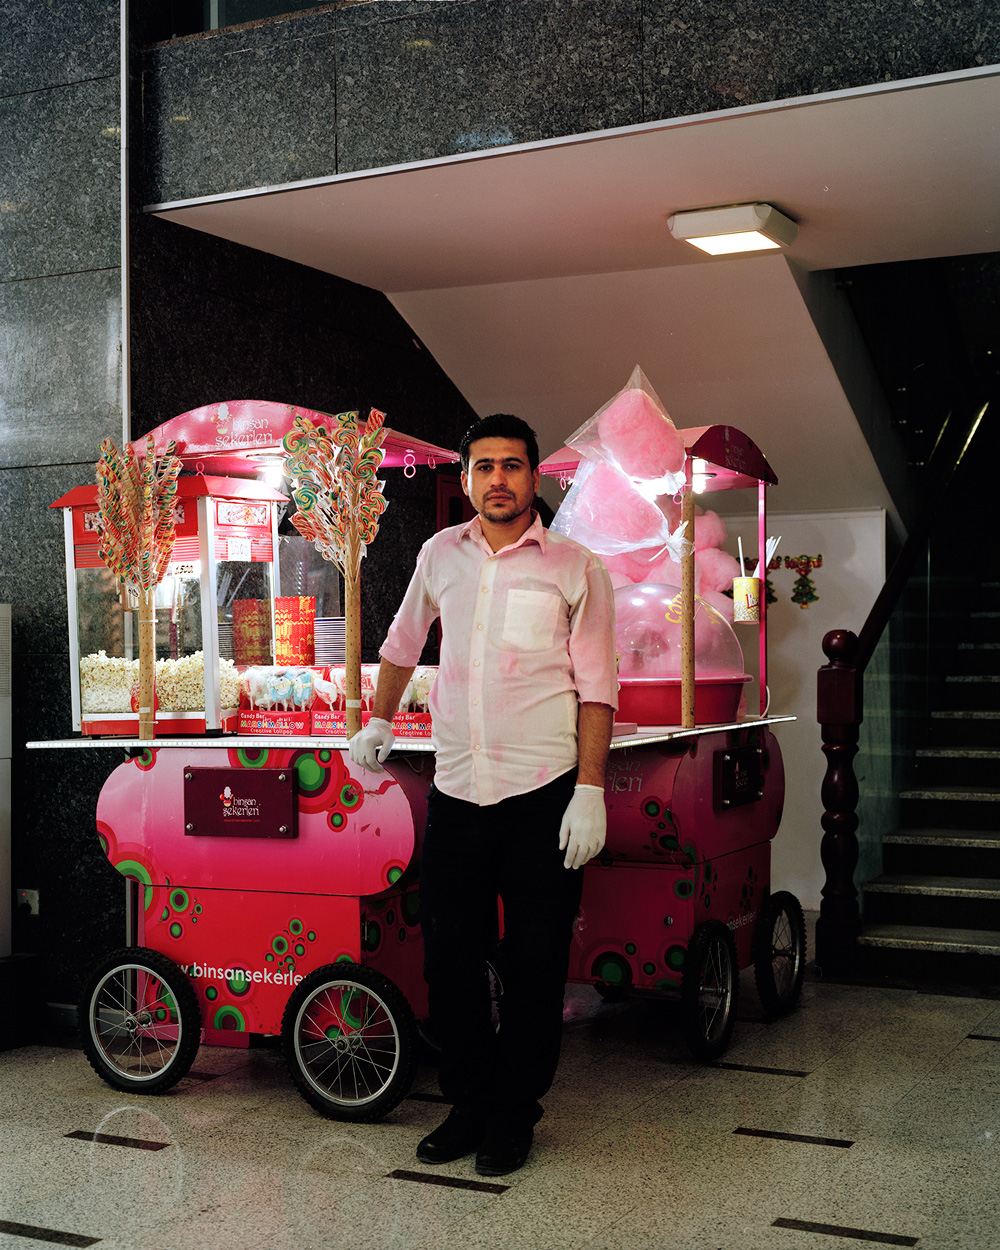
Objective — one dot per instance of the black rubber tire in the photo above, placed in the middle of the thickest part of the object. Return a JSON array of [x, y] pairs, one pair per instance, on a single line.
[[710, 988], [139, 1021], [779, 959], [350, 1042]]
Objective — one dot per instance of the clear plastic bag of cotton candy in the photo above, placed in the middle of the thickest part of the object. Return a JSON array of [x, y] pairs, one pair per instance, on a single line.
[[631, 455]]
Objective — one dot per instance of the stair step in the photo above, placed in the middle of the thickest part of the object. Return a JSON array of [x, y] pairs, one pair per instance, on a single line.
[[965, 727], [957, 794], [951, 807], [961, 961], [948, 838], [956, 766], [974, 657], [959, 852], [988, 714], [959, 753], [928, 938], [972, 692], [944, 901], [943, 887], [919, 955]]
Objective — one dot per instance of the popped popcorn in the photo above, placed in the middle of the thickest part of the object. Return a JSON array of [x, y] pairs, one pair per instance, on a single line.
[[106, 683]]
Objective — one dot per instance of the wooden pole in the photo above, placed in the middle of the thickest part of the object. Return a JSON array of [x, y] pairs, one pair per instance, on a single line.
[[687, 610], [352, 652], [147, 664]]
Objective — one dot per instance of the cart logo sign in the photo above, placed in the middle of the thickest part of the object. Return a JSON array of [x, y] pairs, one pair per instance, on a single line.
[[240, 802], [241, 976], [235, 808]]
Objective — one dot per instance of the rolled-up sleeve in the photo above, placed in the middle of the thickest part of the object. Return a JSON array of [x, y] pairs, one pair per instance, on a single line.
[[592, 638], [417, 613]]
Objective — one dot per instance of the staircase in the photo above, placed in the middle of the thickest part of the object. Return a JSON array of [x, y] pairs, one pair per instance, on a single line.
[[933, 916]]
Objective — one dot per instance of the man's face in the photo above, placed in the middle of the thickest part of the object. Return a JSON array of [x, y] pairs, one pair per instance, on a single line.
[[500, 482]]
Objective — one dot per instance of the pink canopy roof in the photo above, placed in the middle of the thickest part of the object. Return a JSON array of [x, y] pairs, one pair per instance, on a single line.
[[233, 438], [731, 456]]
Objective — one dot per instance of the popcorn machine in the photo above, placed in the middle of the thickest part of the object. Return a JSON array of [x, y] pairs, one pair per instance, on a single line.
[[215, 608]]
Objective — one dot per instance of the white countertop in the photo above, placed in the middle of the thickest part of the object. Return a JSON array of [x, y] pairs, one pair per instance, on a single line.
[[197, 742]]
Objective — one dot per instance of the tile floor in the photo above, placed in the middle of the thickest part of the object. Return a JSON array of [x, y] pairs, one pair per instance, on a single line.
[[870, 1115]]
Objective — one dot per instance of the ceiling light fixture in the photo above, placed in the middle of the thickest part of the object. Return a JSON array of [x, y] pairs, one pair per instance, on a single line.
[[735, 228]]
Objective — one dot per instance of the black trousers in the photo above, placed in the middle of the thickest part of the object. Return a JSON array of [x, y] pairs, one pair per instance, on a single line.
[[471, 856]]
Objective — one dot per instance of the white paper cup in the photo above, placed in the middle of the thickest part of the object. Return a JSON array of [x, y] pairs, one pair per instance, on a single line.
[[746, 600]]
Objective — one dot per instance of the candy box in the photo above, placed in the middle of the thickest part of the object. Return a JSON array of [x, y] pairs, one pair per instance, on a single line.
[[404, 724], [257, 721]]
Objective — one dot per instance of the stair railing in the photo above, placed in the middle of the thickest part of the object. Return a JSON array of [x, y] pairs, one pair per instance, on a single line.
[[840, 711]]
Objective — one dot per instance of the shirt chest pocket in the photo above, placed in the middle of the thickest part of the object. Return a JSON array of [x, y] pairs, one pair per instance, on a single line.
[[531, 619]]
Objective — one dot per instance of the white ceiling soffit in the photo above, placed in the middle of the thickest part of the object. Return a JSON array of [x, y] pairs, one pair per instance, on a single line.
[[539, 275]]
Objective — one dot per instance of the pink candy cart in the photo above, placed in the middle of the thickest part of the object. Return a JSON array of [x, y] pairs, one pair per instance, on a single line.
[[272, 886]]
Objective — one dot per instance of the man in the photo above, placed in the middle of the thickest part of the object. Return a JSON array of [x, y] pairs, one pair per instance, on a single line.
[[522, 713]]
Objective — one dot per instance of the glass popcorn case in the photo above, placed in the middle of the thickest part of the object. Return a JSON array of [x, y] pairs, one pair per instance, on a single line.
[[219, 609], [215, 609]]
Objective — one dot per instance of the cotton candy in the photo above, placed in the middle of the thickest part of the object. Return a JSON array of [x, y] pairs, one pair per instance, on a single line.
[[610, 504], [714, 570], [709, 531], [640, 436]]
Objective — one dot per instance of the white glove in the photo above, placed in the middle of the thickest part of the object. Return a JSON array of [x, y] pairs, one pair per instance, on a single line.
[[584, 826], [370, 746]]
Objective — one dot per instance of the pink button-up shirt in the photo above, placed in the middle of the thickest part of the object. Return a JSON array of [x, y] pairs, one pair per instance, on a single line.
[[528, 632]]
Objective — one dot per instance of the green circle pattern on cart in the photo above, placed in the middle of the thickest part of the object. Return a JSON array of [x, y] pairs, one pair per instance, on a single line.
[[238, 982], [133, 868], [674, 958], [229, 1017], [290, 944], [612, 968]]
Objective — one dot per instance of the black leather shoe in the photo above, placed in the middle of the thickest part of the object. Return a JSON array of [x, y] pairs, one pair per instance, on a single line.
[[456, 1137], [503, 1151]]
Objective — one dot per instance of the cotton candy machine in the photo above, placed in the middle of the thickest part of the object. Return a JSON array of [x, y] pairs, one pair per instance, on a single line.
[[648, 633]]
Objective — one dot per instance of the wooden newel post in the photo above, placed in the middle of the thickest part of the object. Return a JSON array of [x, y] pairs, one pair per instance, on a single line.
[[147, 664], [352, 653], [839, 711]]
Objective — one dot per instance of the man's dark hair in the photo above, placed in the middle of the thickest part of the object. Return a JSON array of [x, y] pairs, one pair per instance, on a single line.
[[500, 425]]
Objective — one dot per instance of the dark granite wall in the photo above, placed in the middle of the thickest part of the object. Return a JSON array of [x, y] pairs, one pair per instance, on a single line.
[[209, 321], [212, 320], [60, 327], [362, 85]]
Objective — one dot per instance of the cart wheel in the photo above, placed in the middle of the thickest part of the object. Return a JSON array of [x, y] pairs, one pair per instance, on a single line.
[[350, 1042], [139, 1021], [779, 959], [425, 1028], [709, 990]]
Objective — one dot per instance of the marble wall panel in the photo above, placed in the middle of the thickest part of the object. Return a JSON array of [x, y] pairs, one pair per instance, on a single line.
[[239, 108], [33, 570], [702, 57], [59, 388], [460, 78], [368, 85], [54, 844], [47, 45], [59, 163], [54, 792]]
